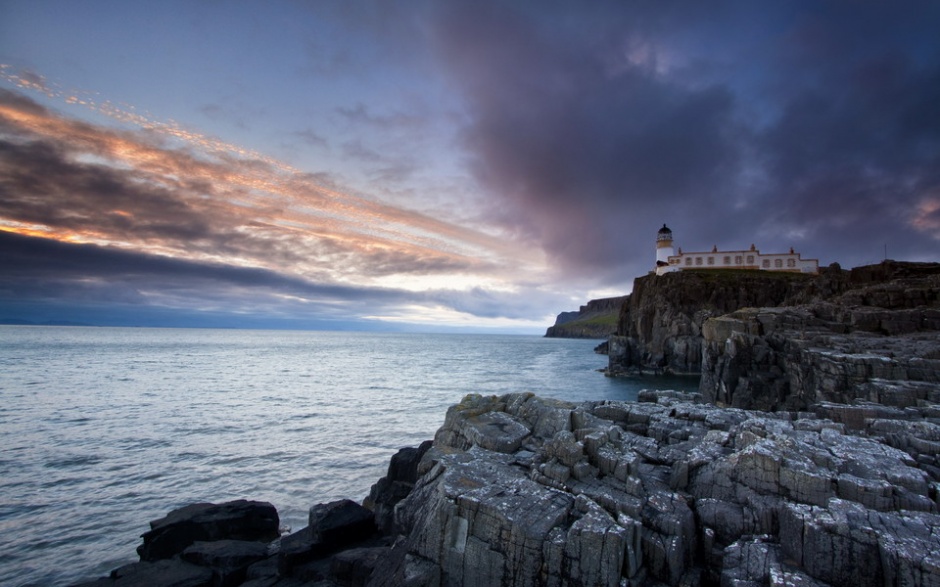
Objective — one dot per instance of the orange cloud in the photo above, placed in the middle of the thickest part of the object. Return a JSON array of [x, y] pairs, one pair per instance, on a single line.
[[164, 189]]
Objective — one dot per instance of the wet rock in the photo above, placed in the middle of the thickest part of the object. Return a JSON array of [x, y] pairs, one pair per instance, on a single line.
[[354, 567], [340, 523], [234, 520]]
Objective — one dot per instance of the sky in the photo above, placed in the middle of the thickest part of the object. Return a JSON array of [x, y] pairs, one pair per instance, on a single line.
[[445, 165]]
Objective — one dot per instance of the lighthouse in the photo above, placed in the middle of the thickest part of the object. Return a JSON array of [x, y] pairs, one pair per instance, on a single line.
[[751, 259], [663, 249]]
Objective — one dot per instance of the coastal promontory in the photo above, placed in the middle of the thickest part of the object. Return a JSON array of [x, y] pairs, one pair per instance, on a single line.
[[596, 319]]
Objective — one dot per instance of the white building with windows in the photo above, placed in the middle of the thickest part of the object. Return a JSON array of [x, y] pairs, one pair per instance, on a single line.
[[668, 261]]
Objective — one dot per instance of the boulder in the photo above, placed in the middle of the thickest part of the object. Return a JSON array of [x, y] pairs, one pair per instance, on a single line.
[[340, 523], [234, 520]]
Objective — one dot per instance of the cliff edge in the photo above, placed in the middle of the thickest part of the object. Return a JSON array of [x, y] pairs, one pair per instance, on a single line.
[[660, 328]]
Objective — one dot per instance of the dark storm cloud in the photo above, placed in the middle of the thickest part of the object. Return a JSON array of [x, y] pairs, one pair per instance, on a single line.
[[28, 262], [807, 124], [73, 277]]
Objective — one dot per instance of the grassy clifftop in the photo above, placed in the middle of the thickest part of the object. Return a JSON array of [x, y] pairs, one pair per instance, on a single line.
[[596, 319]]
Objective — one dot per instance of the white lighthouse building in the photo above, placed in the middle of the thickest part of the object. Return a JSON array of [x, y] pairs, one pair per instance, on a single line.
[[667, 261], [663, 247]]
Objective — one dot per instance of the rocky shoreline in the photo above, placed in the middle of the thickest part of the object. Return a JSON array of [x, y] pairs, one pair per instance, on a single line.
[[521, 490], [809, 457]]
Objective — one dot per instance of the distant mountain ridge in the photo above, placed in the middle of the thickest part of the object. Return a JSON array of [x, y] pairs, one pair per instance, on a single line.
[[596, 319]]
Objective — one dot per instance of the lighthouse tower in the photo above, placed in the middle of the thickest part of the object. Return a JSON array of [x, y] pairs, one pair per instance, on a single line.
[[663, 250]]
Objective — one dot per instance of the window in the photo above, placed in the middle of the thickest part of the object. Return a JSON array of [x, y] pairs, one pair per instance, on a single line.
[[750, 259], [727, 260], [698, 260], [791, 262], [766, 263], [688, 260], [711, 260], [778, 263]]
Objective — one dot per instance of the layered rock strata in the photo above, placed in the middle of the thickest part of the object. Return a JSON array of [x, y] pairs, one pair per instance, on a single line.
[[878, 344], [521, 490], [662, 323]]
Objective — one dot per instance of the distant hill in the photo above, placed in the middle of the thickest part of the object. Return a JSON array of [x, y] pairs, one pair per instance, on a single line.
[[596, 319]]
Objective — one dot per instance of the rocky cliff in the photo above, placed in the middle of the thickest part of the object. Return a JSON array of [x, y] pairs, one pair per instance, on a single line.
[[660, 329], [879, 342], [660, 325], [596, 319], [520, 490]]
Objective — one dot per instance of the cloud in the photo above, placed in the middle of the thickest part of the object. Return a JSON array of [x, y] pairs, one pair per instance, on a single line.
[[75, 277], [180, 221], [592, 126], [129, 219], [504, 151], [71, 180]]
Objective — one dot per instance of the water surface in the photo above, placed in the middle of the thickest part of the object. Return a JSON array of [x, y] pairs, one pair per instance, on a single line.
[[104, 429]]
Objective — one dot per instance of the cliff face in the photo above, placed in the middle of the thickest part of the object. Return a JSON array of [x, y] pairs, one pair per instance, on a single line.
[[660, 325], [596, 319], [878, 343]]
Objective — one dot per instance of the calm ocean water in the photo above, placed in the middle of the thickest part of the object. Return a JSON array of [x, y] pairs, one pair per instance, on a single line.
[[104, 429]]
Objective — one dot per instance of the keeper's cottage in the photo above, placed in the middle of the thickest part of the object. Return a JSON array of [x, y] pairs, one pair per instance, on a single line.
[[668, 261]]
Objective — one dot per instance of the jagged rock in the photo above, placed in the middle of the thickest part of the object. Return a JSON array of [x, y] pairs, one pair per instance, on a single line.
[[521, 490], [845, 544], [791, 358], [395, 486], [668, 491], [234, 520]]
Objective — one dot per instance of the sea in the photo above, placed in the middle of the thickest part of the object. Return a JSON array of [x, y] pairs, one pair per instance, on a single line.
[[105, 429]]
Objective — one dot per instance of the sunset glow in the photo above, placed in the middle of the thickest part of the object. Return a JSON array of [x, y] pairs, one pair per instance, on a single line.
[[443, 165]]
